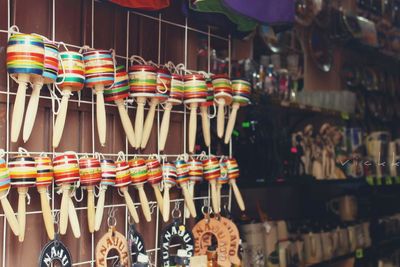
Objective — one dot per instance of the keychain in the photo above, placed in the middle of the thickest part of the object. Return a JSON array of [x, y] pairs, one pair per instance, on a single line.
[[135, 242], [176, 230]]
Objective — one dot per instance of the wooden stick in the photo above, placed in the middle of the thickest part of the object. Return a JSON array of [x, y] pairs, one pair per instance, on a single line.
[[46, 210], [192, 126], [22, 191], [206, 125], [73, 219], [164, 129], [31, 110], [191, 185], [126, 122], [129, 204], [221, 117], [158, 195], [148, 124], [214, 196], [100, 113], [141, 101], [64, 208], [188, 200], [166, 203], [9, 213], [219, 189], [91, 208], [19, 106], [62, 115], [237, 193], [100, 207], [231, 122], [144, 202]]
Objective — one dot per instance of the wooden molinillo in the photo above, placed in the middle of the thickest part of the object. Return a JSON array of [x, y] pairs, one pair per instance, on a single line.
[[241, 97], [71, 76], [222, 179], [154, 173], [108, 175], [195, 92], [23, 175], [66, 174], [182, 178], [138, 171], [223, 96], [25, 62], [49, 77], [99, 72], [90, 176], [169, 179], [117, 93], [212, 172], [161, 95], [44, 179], [4, 188], [175, 98], [205, 120], [122, 181], [233, 174], [195, 175], [143, 84]]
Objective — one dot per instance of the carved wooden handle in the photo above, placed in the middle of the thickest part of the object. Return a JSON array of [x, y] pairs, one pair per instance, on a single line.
[[22, 191], [164, 126], [166, 204], [129, 204], [206, 125], [159, 196], [238, 195], [192, 126], [214, 196], [100, 208], [31, 111], [188, 200], [73, 219], [100, 114], [141, 101], [9, 213], [126, 122], [148, 124], [47, 217], [231, 122], [60, 120], [144, 202], [219, 189], [221, 117], [64, 209], [19, 106], [91, 208]]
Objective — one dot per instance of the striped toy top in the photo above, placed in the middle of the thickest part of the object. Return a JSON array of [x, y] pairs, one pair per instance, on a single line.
[[169, 174], [50, 62], [120, 89], [195, 89], [241, 92], [154, 171], [223, 178], [177, 89], [182, 171], [71, 71], [25, 54], [99, 68], [233, 168], [163, 84], [211, 169], [89, 171], [4, 176], [195, 170], [222, 87], [138, 170], [44, 168], [108, 172], [66, 168], [210, 94], [143, 80], [22, 171], [123, 177]]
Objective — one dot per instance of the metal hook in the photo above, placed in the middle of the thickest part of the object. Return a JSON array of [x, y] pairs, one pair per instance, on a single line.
[[111, 220], [153, 206], [176, 212], [56, 218]]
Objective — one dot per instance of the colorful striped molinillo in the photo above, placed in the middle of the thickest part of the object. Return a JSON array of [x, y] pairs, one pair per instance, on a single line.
[[241, 97], [212, 172], [44, 178], [195, 93], [99, 72], [90, 175], [222, 179], [154, 173], [138, 171], [233, 174], [122, 181], [223, 96], [182, 177], [4, 188], [195, 174], [143, 84], [204, 112], [25, 62], [162, 91], [66, 173], [169, 179], [175, 98], [49, 77], [71, 78], [23, 175], [108, 175]]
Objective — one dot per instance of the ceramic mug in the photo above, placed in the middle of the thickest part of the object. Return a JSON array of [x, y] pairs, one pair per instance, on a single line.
[[312, 248], [343, 242], [367, 236], [353, 244], [327, 245], [345, 207]]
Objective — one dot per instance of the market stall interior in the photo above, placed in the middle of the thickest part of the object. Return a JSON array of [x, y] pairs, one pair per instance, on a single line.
[[292, 162]]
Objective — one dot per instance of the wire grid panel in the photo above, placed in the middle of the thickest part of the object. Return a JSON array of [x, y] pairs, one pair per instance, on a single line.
[[154, 251]]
